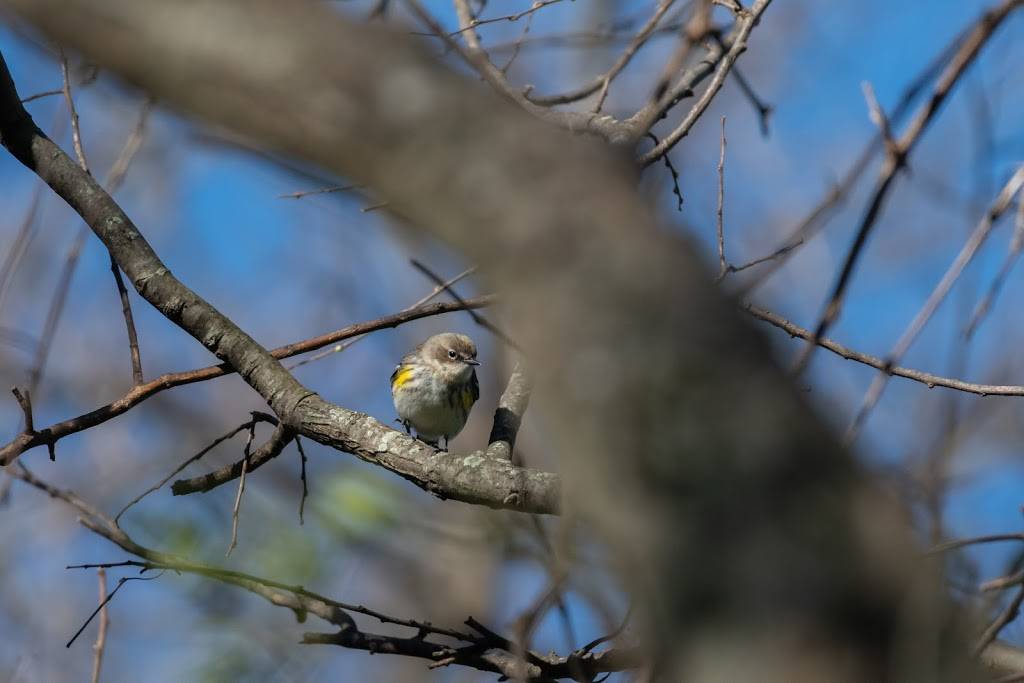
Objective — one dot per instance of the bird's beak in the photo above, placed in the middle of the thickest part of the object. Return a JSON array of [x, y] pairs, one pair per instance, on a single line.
[[470, 361]]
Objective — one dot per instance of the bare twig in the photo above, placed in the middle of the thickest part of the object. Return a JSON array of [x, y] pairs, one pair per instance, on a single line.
[[667, 159], [1012, 254], [970, 248], [374, 207], [974, 540], [745, 24], [114, 179], [603, 82], [76, 133], [25, 403], [256, 417], [473, 22], [323, 190], [881, 121], [517, 45], [764, 110], [925, 378], [269, 450], [241, 490], [119, 170], [56, 308], [473, 54], [341, 347], [902, 148], [999, 623], [19, 246], [477, 318], [101, 609], [818, 217], [722, 263], [40, 95], [302, 477], [101, 634]]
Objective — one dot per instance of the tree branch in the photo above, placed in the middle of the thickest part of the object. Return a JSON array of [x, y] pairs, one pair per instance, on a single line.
[[898, 152], [474, 478], [55, 432], [475, 651]]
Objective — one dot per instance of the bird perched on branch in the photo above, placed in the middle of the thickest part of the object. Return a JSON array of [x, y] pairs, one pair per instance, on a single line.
[[434, 387]]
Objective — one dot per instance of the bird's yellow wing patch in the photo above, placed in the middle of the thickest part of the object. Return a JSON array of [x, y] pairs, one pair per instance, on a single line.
[[402, 375], [468, 398]]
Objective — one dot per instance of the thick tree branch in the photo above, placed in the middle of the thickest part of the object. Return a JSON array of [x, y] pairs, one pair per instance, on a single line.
[[669, 419], [474, 478]]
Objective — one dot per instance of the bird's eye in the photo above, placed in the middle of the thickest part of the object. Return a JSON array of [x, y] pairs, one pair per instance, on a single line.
[[451, 353]]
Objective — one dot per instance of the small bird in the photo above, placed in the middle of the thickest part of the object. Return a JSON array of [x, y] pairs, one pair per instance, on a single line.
[[434, 387]]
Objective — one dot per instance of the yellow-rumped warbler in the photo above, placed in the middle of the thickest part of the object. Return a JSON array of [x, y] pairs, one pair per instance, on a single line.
[[434, 387]]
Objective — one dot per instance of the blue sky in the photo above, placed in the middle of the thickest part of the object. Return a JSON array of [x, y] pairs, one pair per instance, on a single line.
[[286, 269]]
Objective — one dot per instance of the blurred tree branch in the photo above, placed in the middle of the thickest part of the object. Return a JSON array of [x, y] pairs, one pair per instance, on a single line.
[[741, 525]]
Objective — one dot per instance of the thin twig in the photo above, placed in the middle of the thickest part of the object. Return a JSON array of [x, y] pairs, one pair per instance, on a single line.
[[938, 295], [928, 379], [764, 110], [305, 487], [120, 582], [474, 23], [22, 238], [24, 400], [818, 217], [114, 179], [477, 318], [974, 540], [722, 264], [338, 348], [603, 82], [745, 24], [101, 634], [40, 95], [895, 160], [323, 190], [56, 308], [673, 172], [76, 133], [241, 490], [374, 207], [1012, 254], [1000, 622], [216, 442], [878, 117], [517, 46], [270, 449]]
